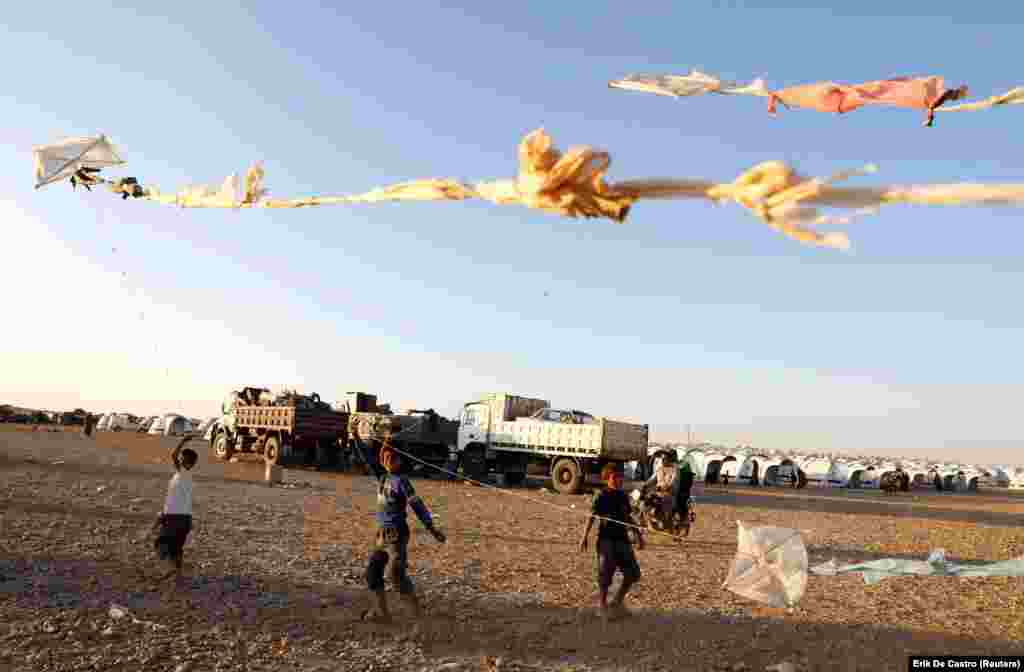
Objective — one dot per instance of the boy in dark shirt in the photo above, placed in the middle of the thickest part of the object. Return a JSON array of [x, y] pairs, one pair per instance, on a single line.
[[614, 550], [394, 493]]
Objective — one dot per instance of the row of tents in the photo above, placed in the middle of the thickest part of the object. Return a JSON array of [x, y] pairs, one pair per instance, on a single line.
[[748, 467], [168, 424]]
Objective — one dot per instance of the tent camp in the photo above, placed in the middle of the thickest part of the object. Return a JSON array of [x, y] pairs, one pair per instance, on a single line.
[[121, 422]]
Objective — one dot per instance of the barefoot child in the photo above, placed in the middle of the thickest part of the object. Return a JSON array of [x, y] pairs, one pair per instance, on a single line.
[[394, 493], [614, 550], [175, 522]]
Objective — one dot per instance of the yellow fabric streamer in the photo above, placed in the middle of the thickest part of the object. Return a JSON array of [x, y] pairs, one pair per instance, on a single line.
[[573, 185], [1011, 97]]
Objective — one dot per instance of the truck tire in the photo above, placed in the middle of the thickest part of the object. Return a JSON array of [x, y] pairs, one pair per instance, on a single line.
[[515, 477], [272, 450], [222, 448], [567, 477], [330, 453], [474, 463]]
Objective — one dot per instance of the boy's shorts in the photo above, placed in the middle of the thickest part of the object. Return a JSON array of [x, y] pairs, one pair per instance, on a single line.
[[614, 554], [174, 530], [394, 541]]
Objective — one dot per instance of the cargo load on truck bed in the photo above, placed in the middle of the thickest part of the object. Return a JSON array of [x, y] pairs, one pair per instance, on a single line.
[[279, 427], [311, 423], [506, 433], [425, 437]]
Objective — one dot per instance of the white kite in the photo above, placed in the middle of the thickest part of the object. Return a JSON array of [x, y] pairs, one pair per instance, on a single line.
[[76, 158], [770, 565]]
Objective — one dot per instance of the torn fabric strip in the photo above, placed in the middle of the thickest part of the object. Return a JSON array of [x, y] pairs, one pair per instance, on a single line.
[[936, 565], [925, 93], [572, 184]]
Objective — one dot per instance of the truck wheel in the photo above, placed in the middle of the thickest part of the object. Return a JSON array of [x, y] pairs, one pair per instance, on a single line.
[[272, 450], [567, 476], [330, 452], [515, 477], [474, 463], [222, 448]]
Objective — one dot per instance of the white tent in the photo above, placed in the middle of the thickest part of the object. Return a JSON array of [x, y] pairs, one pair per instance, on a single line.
[[918, 473], [856, 473], [784, 471], [1017, 479], [175, 425], [1001, 476], [839, 474], [713, 465], [697, 459], [754, 467], [157, 426], [817, 470], [731, 466], [121, 422], [103, 422]]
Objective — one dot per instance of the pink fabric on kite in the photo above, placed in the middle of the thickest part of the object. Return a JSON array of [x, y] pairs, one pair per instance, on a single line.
[[923, 93]]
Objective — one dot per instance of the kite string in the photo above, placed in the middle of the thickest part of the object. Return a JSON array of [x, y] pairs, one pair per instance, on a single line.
[[520, 495]]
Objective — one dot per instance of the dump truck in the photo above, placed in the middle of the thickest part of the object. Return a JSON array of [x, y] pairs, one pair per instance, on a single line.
[[284, 429], [423, 434], [508, 434]]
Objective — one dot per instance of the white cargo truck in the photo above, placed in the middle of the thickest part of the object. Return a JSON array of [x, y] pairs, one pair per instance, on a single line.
[[507, 434]]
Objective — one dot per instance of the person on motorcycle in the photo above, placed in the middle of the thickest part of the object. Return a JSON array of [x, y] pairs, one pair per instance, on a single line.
[[683, 493], [664, 483]]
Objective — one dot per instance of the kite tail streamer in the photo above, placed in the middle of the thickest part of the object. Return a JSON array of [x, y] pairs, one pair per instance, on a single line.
[[570, 184]]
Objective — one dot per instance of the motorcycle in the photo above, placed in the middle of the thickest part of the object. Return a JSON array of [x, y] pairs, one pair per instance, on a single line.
[[648, 509]]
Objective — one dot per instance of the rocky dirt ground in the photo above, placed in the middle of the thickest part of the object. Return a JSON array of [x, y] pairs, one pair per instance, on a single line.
[[275, 575]]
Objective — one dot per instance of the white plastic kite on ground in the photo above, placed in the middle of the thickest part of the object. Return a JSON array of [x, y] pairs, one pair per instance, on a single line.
[[63, 159], [770, 565], [936, 565]]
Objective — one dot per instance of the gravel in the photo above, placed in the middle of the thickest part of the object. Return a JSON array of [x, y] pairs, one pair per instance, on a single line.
[[275, 576]]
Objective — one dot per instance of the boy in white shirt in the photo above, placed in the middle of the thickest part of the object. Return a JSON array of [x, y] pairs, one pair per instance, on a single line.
[[175, 522]]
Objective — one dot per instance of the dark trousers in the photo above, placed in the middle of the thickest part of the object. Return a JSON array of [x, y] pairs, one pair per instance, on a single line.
[[390, 545], [612, 555], [174, 530]]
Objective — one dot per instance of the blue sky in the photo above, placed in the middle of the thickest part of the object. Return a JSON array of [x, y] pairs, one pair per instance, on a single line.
[[687, 313]]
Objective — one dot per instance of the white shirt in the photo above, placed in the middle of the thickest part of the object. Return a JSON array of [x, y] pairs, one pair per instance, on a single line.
[[179, 494]]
